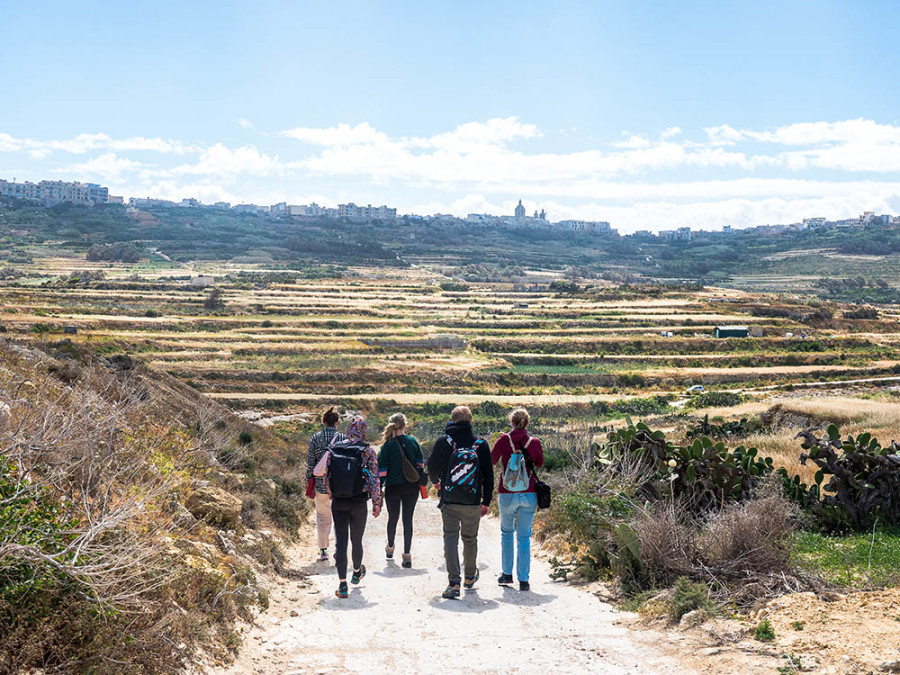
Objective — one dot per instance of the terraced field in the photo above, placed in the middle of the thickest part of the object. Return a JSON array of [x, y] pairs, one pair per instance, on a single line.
[[396, 334]]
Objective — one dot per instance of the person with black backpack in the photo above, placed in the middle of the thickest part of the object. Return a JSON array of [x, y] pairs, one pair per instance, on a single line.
[[460, 465], [351, 472], [400, 467], [519, 454]]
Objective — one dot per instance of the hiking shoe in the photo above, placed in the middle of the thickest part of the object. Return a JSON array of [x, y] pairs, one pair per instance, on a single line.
[[505, 579], [524, 586], [341, 592], [451, 592], [358, 574], [470, 581], [407, 561], [323, 555], [389, 552]]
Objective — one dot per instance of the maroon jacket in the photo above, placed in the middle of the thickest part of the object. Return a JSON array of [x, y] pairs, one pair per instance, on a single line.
[[503, 448]]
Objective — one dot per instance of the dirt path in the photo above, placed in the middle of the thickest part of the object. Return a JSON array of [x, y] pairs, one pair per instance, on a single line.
[[396, 621]]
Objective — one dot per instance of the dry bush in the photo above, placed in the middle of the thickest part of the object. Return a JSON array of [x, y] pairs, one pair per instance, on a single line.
[[742, 552], [667, 544], [750, 538], [88, 578]]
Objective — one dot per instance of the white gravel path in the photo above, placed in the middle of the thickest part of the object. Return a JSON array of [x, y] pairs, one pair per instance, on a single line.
[[396, 622]]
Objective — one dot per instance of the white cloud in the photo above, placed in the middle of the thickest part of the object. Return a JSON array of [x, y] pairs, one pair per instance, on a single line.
[[728, 174], [219, 160], [83, 143], [107, 168], [341, 135]]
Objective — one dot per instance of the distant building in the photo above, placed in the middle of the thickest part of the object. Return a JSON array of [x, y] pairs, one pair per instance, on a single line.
[[279, 209], [731, 331], [145, 202], [585, 225], [251, 208], [56, 191], [520, 210], [203, 280], [190, 202], [222, 205], [369, 212]]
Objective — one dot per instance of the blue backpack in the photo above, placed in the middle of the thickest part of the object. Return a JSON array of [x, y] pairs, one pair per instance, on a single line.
[[515, 476]]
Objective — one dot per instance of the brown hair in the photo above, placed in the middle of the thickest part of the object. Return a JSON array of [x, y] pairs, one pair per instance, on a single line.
[[330, 417], [396, 424], [461, 413], [519, 418]]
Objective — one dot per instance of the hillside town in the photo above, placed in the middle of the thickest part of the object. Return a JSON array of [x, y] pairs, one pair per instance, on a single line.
[[50, 193]]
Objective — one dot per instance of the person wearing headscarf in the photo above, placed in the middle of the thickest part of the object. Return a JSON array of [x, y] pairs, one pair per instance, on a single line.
[[351, 478]]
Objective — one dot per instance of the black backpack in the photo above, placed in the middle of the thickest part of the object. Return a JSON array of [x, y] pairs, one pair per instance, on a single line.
[[462, 478], [346, 472]]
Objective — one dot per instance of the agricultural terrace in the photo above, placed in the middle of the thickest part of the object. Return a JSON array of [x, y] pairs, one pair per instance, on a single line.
[[413, 334]]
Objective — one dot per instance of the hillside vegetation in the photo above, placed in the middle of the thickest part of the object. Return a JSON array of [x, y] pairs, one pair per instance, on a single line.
[[126, 542]]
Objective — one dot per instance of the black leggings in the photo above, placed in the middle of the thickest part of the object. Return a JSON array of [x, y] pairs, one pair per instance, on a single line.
[[403, 495], [349, 517]]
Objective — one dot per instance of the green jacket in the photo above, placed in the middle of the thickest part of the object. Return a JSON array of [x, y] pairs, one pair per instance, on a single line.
[[390, 468]]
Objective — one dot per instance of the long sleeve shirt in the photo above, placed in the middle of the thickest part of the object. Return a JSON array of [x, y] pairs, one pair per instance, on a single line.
[[513, 442], [390, 464], [318, 444]]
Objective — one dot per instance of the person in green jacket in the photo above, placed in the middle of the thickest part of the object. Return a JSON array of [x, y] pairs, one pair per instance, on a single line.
[[400, 493]]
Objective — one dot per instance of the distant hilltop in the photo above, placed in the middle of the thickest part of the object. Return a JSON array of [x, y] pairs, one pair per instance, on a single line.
[[50, 193]]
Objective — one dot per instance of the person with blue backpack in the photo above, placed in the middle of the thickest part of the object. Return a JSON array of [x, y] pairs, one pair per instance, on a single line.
[[460, 466], [519, 454], [350, 468]]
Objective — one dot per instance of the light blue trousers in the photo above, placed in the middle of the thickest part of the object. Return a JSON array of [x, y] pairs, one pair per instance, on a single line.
[[516, 514]]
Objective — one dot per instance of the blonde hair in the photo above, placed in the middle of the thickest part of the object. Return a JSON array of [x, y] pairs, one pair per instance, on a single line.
[[461, 413], [396, 424], [519, 418]]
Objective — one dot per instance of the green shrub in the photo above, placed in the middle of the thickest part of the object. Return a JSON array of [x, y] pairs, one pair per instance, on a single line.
[[705, 475], [764, 631], [687, 596], [863, 480], [715, 399]]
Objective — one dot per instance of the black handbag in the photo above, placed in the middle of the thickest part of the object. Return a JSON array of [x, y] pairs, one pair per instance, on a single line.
[[542, 490]]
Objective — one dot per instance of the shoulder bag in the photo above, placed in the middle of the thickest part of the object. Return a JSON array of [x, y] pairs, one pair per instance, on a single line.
[[541, 488]]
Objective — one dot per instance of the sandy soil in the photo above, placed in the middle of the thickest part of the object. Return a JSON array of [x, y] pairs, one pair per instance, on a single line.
[[396, 621]]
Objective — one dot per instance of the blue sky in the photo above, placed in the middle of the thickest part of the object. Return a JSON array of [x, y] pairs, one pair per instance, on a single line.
[[646, 114]]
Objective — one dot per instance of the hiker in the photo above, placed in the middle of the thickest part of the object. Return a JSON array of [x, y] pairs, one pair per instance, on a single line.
[[351, 471], [318, 444], [518, 454], [400, 467], [460, 466]]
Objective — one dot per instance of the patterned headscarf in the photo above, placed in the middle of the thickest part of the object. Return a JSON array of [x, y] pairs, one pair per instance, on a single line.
[[356, 429]]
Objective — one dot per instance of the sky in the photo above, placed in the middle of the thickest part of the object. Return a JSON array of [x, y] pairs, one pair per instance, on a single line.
[[646, 114]]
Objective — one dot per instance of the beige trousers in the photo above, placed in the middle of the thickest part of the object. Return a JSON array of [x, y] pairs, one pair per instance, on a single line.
[[323, 519]]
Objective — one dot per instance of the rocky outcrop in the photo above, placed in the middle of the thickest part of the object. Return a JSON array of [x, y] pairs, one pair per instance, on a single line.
[[214, 505]]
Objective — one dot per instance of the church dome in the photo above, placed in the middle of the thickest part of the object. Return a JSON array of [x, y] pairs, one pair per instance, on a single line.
[[520, 210]]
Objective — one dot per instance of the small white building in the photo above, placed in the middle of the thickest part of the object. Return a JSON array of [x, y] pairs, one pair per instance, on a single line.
[[203, 280]]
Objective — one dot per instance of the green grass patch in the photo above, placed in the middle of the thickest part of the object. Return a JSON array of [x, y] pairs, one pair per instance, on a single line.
[[856, 560]]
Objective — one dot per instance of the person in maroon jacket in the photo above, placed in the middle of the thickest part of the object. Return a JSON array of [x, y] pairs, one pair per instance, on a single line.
[[518, 453]]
